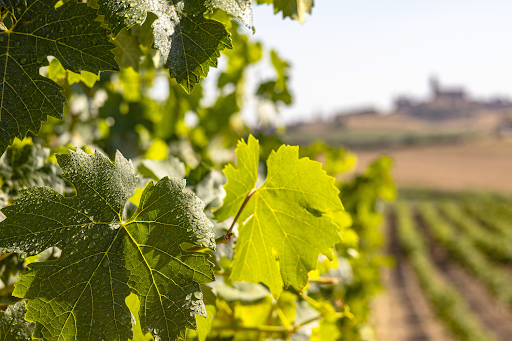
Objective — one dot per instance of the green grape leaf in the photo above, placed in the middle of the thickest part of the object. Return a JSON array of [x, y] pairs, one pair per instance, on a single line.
[[244, 53], [286, 215], [240, 9], [171, 167], [188, 42], [295, 9], [13, 326], [241, 181], [25, 165], [210, 189], [204, 325], [69, 33], [277, 90], [242, 291], [81, 295], [56, 72], [127, 51], [336, 160]]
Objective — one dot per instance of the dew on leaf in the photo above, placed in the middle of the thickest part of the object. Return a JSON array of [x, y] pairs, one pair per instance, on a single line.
[[158, 251]]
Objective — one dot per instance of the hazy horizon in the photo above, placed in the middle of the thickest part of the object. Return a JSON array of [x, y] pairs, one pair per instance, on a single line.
[[350, 55]]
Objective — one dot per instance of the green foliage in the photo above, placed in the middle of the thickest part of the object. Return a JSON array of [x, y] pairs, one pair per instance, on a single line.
[[277, 90], [335, 160], [11, 265], [35, 30], [13, 326], [492, 244], [490, 213], [361, 198], [244, 53], [190, 39], [295, 9], [449, 304], [189, 42], [462, 249], [128, 52], [285, 215], [105, 246], [25, 165], [104, 258]]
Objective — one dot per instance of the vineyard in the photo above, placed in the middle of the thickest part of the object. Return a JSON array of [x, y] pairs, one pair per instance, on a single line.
[[453, 269]]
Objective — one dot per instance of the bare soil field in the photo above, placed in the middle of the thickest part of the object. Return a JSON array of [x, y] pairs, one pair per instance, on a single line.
[[484, 165]]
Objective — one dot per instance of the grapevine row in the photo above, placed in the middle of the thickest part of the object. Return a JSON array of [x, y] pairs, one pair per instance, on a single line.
[[491, 244], [463, 250], [490, 217], [450, 306]]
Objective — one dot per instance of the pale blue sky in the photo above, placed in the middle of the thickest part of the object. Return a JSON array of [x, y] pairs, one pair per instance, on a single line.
[[351, 54]]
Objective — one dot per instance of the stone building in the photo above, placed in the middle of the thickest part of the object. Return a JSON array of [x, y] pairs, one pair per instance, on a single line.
[[446, 103]]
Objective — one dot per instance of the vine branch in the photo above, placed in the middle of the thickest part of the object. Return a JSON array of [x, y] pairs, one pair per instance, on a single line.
[[227, 237], [270, 328]]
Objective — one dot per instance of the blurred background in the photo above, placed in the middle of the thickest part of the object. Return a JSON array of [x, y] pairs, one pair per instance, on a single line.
[[428, 83]]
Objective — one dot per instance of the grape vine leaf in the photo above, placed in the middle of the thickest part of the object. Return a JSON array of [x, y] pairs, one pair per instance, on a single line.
[[69, 33], [204, 325], [171, 167], [81, 295], [286, 215], [295, 9], [127, 51], [188, 42], [277, 90], [25, 165], [240, 9], [13, 326]]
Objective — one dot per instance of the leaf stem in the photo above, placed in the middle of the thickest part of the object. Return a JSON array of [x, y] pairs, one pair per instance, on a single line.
[[261, 328], [270, 328], [227, 237], [324, 280], [320, 280]]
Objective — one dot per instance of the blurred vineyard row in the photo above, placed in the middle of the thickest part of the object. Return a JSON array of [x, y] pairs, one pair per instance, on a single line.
[[458, 246]]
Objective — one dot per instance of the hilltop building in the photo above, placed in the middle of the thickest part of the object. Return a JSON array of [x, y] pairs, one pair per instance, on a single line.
[[446, 103], [447, 110]]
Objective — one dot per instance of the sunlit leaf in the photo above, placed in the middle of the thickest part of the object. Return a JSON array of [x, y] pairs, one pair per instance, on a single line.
[[285, 216]]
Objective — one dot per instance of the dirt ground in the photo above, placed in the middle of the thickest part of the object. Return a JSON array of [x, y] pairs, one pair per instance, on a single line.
[[483, 165]]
